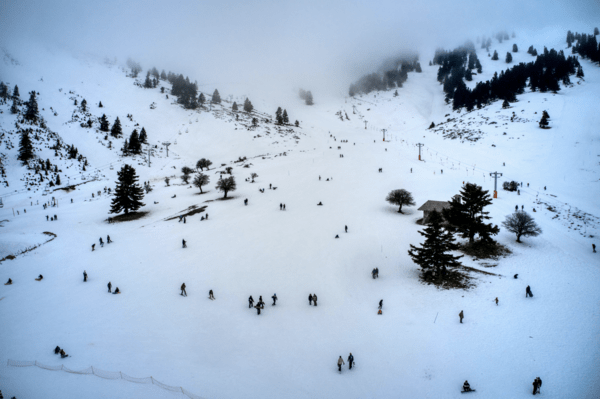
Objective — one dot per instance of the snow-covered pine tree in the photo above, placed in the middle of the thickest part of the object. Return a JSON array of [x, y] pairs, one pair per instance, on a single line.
[[285, 117], [216, 97], [143, 136], [16, 92], [515, 48], [135, 147], [508, 57], [433, 255], [25, 148], [32, 113], [309, 98], [128, 194], [104, 125], [116, 131], [495, 56], [248, 107]]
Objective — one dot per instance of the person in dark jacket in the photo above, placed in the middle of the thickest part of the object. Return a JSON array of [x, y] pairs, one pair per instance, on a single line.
[[84, 276], [315, 299], [461, 315], [93, 247], [274, 297], [466, 387], [108, 240], [250, 302], [257, 309], [184, 243], [101, 242], [183, 292], [537, 383], [117, 291], [57, 350], [528, 292], [380, 304], [40, 277], [350, 361], [63, 354], [211, 295], [310, 299], [346, 227], [109, 285]]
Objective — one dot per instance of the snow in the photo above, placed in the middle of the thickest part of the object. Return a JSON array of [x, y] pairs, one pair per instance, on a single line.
[[222, 349]]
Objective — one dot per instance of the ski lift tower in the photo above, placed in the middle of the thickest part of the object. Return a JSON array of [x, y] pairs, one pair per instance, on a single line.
[[167, 144]]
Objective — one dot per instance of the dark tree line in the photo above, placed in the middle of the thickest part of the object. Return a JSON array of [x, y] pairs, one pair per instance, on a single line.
[[185, 91], [389, 79], [543, 74], [587, 45]]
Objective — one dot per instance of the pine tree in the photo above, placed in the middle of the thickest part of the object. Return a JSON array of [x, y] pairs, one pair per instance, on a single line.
[[125, 149], [216, 97], [3, 91], [544, 121], [16, 92], [309, 98], [278, 112], [466, 215], [505, 104], [495, 56], [433, 256], [104, 125], [515, 48], [58, 180], [248, 107], [84, 105], [201, 99], [116, 131], [234, 107], [135, 146], [596, 32], [297, 123], [143, 136], [25, 148], [418, 68], [32, 113], [285, 117], [163, 75], [508, 58], [128, 194], [14, 109]]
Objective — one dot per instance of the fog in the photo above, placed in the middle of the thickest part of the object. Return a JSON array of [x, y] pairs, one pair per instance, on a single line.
[[276, 43]]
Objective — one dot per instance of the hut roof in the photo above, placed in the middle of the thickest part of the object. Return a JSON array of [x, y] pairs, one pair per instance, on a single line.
[[434, 205]]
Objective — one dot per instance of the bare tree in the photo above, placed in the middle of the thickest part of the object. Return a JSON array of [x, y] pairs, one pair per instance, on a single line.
[[253, 176], [522, 224], [226, 185], [203, 163], [200, 180], [400, 197], [186, 174]]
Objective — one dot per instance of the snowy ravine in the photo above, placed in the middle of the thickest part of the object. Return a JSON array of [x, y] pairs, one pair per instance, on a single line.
[[222, 349]]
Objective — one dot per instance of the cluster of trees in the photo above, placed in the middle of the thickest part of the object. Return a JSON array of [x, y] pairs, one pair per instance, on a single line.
[[135, 67], [282, 117], [543, 74], [456, 65], [532, 51], [133, 146], [248, 107], [224, 184], [151, 83], [390, 79], [587, 45], [185, 91], [306, 96]]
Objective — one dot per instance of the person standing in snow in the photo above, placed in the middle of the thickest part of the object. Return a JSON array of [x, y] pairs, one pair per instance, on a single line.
[[280, 206], [108, 241], [496, 301], [340, 363], [461, 315], [246, 201], [350, 361], [211, 295], [346, 227], [57, 350], [274, 297], [84, 276], [594, 248], [315, 299], [310, 299], [184, 243], [373, 274], [101, 243], [109, 285], [537, 383], [93, 247], [528, 292], [380, 304], [257, 309], [250, 302], [183, 292]]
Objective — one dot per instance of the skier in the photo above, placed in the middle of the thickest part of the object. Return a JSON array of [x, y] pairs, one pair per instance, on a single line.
[[310, 297], [461, 315], [315, 299], [101, 243], [250, 302], [108, 241], [109, 285], [246, 201], [184, 243], [346, 227], [340, 363], [274, 297], [63, 354], [183, 291], [257, 309], [380, 304], [84, 276], [594, 248], [496, 301], [350, 361], [373, 273], [466, 387], [528, 292], [537, 384], [210, 295], [93, 247], [57, 350]]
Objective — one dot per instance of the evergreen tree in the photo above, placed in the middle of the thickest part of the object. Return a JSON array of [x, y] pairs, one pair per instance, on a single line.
[[433, 256], [104, 125], [128, 194], [148, 82], [418, 68], [201, 180], [468, 75], [248, 106], [309, 98], [201, 99], [216, 97], [143, 136], [163, 75], [3, 91], [505, 104], [16, 92], [116, 131], [285, 117], [596, 32], [278, 112], [544, 121], [100, 105], [58, 183], [515, 48], [495, 56], [530, 50], [32, 113], [25, 148], [226, 185], [297, 123], [14, 109], [125, 149], [466, 215], [234, 107], [508, 58], [135, 147], [84, 105]]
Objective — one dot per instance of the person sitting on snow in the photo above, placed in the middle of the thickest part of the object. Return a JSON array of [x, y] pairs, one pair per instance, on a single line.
[[57, 350], [63, 354], [9, 282], [466, 386]]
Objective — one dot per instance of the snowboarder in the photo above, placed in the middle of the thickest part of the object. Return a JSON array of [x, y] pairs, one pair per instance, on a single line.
[[117, 291], [84, 276], [340, 363], [250, 302], [528, 292], [183, 291], [184, 243], [310, 297], [461, 315], [346, 227], [108, 241], [274, 297], [210, 295], [93, 247], [63, 354], [496, 301], [320, 203], [40, 277], [350, 361], [101, 243], [109, 285], [57, 350], [315, 299], [594, 248], [380, 304], [466, 387]]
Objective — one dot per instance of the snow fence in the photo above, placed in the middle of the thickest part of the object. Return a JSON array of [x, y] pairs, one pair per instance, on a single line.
[[108, 375]]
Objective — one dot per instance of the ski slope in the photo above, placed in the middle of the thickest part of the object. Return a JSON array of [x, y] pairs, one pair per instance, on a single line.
[[222, 349]]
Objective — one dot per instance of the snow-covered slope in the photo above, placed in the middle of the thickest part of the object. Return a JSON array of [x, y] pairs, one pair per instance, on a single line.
[[222, 349]]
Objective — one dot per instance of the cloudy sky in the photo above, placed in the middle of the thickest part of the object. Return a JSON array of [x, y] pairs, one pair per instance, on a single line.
[[278, 40]]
